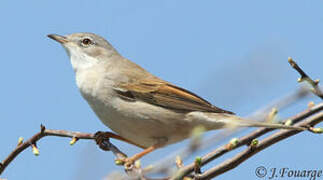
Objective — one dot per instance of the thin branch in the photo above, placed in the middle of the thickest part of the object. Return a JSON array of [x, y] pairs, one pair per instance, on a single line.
[[304, 77], [250, 151], [246, 140], [280, 103], [60, 133]]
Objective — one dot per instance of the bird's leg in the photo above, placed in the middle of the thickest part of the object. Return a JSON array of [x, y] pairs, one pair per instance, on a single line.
[[128, 162], [100, 137]]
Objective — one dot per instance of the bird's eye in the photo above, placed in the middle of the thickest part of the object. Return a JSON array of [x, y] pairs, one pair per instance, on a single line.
[[86, 41]]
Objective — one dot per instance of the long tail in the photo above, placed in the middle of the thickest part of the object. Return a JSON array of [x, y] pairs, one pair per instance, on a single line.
[[252, 123], [220, 120]]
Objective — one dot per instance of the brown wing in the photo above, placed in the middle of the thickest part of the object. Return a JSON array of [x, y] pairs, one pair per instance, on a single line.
[[166, 95]]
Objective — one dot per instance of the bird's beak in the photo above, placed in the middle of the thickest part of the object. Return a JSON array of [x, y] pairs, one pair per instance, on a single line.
[[58, 38]]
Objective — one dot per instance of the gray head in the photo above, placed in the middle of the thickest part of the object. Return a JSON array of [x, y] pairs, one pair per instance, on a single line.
[[85, 49]]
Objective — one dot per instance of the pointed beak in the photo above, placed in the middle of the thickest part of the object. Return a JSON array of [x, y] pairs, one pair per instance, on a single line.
[[58, 38]]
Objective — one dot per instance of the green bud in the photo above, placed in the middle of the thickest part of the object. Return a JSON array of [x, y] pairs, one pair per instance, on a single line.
[[118, 162], [254, 143]]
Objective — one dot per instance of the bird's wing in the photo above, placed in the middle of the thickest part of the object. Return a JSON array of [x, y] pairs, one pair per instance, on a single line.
[[166, 95]]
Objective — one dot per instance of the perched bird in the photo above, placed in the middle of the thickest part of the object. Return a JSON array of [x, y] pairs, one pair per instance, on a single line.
[[141, 108]]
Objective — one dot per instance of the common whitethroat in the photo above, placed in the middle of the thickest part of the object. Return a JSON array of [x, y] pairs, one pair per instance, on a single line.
[[141, 108]]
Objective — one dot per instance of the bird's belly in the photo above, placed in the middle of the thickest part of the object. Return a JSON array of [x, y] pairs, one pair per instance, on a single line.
[[142, 123]]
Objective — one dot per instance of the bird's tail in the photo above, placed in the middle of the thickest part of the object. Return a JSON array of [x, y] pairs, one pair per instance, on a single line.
[[224, 120], [241, 122]]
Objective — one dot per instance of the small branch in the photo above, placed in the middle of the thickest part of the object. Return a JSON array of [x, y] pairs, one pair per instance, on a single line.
[[245, 140], [252, 150], [280, 103], [304, 77], [50, 132]]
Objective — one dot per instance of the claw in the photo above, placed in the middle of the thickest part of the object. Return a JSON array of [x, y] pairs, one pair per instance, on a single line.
[[101, 139]]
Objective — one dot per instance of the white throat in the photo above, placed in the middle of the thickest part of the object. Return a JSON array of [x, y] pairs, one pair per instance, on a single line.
[[79, 59], [88, 73]]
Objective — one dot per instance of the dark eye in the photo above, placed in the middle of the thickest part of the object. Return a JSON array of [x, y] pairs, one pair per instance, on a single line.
[[86, 41]]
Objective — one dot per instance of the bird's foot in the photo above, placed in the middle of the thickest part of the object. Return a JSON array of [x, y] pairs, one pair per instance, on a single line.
[[103, 140]]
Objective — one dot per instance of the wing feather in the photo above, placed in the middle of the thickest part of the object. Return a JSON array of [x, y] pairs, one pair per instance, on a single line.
[[166, 95]]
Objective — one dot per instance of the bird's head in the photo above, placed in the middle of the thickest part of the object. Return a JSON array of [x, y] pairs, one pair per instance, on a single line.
[[85, 49]]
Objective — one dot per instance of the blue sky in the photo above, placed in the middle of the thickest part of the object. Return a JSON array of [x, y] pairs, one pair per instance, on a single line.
[[233, 53]]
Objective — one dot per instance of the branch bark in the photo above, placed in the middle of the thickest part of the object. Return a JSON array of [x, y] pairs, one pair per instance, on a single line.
[[250, 151], [31, 142], [304, 77]]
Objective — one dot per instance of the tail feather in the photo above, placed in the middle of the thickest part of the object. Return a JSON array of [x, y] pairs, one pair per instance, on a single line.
[[232, 120], [220, 120]]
